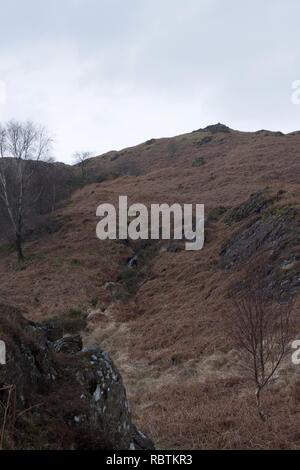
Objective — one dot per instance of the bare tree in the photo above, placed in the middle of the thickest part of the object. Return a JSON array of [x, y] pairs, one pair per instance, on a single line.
[[21, 146], [262, 332], [80, 158]]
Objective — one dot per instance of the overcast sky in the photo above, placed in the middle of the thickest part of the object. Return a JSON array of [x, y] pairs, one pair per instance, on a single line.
[[106, 74]]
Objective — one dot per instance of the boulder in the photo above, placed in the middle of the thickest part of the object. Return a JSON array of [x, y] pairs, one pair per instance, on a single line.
[[66, 397], [140, 441]]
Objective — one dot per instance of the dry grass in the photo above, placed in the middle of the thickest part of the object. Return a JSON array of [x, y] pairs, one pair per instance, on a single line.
[[218, 415]]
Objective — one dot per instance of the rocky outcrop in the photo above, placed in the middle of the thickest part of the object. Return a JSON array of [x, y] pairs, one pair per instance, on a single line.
[[256, 203], [67, 397], [217, 128], [269, 247], [68, 344]]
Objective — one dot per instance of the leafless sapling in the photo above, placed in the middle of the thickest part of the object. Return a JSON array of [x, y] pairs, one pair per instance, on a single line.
[[262, 332], [80, 158]]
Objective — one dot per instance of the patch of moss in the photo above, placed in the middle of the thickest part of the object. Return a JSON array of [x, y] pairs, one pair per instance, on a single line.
[[132, 277], [93, 302], [199, 161]]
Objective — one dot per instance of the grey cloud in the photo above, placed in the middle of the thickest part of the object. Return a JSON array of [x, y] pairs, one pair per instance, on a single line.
[[105, 74]]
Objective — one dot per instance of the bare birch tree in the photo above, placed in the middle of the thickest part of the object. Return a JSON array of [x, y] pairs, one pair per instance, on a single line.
[[21, 146], [80, 158], [262, 332]]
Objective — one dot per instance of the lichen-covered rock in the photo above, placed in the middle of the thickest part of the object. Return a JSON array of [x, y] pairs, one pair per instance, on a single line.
[[67, 398], [103, 396]]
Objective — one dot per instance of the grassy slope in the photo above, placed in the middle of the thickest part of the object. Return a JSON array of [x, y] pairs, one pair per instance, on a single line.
[[168, 339]]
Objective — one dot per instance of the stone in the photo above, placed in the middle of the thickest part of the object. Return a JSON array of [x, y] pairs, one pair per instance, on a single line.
[[140, 441], [68, 344]]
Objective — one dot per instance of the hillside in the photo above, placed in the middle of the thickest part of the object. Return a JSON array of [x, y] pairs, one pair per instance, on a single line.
[[163, 321]]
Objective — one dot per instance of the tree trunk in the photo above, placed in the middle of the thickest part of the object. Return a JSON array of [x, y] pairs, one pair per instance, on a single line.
[[20, 218], [53, 197], [258, 405], [19, 247]]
